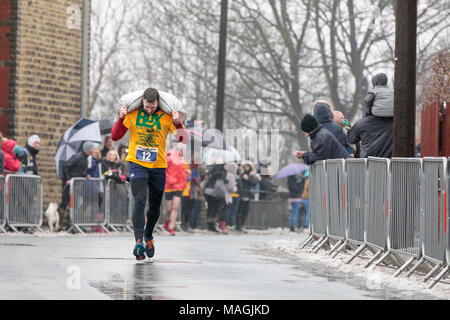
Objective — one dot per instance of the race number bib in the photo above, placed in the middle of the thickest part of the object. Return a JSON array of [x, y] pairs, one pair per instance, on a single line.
[[146, 154]]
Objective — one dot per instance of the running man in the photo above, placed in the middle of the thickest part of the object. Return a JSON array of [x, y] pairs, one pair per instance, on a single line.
[[149, 127]]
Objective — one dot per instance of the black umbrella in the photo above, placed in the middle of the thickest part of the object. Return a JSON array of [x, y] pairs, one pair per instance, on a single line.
[[73, 139], [105, 126]]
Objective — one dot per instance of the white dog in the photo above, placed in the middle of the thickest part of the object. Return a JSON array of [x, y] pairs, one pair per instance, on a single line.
[[52, 216]]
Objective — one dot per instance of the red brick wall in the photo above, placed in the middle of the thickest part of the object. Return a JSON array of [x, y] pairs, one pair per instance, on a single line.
[[7, 65]]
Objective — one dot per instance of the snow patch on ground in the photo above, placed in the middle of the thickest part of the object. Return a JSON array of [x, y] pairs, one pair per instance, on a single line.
[[379, 277]]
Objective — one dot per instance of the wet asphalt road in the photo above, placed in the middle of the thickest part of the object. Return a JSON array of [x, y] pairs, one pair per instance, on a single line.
[[193, 267]]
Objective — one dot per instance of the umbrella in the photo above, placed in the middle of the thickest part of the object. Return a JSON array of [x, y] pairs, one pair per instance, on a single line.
[[105, 126], [72, 140], [213, 138], [290, 170]]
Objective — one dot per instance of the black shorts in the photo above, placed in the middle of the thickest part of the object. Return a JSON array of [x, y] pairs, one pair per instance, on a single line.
[[169, 195]]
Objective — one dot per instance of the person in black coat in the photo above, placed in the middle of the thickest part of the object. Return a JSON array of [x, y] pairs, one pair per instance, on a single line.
[[374, 133], [324, 144], [216, 203], [248, 180], [31, 149], [76, 166]]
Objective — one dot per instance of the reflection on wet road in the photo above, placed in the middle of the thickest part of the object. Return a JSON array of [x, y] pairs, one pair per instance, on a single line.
[[195, 267]]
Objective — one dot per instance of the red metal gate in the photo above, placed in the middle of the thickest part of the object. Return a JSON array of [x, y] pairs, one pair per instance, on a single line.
[[435, 131]]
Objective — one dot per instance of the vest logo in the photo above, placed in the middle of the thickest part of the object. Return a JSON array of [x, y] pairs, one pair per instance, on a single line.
[[144, 119]]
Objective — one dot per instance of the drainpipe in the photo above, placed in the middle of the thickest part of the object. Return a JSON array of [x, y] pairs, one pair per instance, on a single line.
[[84, 58]]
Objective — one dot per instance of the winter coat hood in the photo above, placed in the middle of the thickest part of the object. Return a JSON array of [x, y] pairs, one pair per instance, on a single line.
[[323, 113], [379, 79], [8, 145]]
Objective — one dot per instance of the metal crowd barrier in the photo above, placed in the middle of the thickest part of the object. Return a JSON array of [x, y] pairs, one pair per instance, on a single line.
[[118, 205], [2, 205], [397, 207], [378, 191], [317, 204], [435, 221], [87, 203], [23, 201], [403, 236], [336, 202], [265, 214], [356, 170]]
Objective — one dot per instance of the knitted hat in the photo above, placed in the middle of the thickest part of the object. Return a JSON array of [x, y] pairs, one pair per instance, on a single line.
[[89, 146], [32, 139], [309, 123]]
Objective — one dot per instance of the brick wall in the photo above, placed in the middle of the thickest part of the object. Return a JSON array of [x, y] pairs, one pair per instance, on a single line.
[[8, 31], [47, 81]]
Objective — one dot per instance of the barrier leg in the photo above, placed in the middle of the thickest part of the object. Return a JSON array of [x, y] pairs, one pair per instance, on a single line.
[[76, 227], [403, 267], [340, 248], [430, 274], [2, 229], [335, 247], [129, 229], [357, 252], [105, 228], [13, 228], [39, 228], [317, 242], [384, 256], [321, 244], [417, 265], [373, 258], [439, 277], [113, 228], [397, 261], [311, 237]]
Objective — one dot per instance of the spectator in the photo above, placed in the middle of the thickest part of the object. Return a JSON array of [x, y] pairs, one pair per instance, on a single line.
[[94, 164], [31, 150], [20, 153], [111, 167], [76, 166], [296, 184], [231, 186], [248, 179], [322, 110], [186, 203], [125, 166], [380, 99], [215, 190], [267, 188], [118, 203], [108, 145], [338, 118], [175, 184], [324, 144], [11, 161], [198, 175], [305, 198], [231, 208], [375, 132]]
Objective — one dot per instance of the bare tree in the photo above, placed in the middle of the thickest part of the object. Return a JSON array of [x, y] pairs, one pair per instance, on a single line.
[[108, 47]]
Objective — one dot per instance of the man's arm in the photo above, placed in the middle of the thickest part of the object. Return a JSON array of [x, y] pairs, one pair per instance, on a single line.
[[119, 129], [181, 134]]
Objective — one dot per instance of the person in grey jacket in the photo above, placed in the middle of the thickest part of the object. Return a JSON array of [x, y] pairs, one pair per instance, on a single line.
[[324, 144], [380, 100]]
